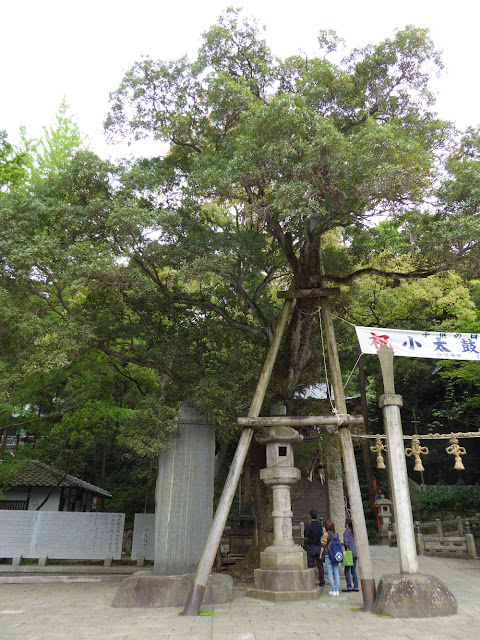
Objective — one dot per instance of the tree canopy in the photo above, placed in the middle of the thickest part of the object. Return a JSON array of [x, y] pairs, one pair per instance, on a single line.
[[281, 155], [127, 288]]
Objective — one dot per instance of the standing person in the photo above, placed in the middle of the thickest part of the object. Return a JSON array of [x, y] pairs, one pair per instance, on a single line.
[[313, 534], [333, 571], [349, 543]]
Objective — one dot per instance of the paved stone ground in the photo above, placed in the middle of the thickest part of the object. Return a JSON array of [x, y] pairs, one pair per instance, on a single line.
[[81, 611]]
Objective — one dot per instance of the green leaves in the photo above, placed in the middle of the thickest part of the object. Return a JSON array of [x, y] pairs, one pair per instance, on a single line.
[[49, 155], [127, 289], [13, 164]]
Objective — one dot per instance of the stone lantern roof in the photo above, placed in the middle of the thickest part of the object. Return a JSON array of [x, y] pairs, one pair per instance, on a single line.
[[278, 434]]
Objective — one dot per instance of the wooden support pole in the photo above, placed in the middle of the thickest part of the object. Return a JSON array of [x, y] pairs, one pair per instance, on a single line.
[[349, 464], [300, 421], [317, 292], [197, 590]]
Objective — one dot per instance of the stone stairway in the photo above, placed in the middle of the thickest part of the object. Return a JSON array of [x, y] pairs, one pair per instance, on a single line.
[[309, 495]]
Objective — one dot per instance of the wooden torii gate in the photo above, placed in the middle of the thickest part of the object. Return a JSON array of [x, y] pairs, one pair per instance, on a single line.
[[342, 419]]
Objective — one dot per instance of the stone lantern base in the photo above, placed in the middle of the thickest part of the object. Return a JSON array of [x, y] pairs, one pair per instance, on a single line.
[[283, 576], [413, 596]]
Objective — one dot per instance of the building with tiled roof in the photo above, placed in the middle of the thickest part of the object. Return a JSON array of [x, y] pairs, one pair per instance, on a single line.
[[39, 486]]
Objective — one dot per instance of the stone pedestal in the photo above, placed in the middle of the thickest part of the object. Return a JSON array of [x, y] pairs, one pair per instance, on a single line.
[[283, 575], [413, 596], [146, 590]]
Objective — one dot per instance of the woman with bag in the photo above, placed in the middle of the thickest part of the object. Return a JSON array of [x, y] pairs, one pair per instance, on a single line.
[[333, 572], [349, 544]]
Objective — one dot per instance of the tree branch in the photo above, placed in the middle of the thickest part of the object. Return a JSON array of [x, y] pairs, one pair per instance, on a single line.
[[284, 240], [419, 273], [251, 303], [128, 377], [52, 415], [124, 357], [222, 313], [186, 144], [372, 111]]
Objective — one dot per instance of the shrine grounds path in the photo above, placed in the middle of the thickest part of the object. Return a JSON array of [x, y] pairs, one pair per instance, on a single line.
[[81, 611]]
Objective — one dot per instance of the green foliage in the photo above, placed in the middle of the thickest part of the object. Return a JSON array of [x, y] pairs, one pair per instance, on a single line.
[[457, 496], [127, 289], [12, 164], [49, 155], [270, 160]]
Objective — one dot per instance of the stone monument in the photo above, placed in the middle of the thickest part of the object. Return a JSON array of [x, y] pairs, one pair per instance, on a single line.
[[283, 574], [183, 517], [184, 494]]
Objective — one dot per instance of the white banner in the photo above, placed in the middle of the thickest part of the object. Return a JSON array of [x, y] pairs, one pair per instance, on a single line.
[[421, 344]]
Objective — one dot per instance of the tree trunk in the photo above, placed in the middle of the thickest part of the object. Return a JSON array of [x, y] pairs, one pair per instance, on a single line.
[[297, 351]]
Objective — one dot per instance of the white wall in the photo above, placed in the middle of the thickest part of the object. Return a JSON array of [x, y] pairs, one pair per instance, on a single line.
[[37, 496]]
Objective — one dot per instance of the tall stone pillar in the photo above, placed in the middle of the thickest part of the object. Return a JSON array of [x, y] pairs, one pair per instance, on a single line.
[[184, 494], [408, 594], [183, 517]]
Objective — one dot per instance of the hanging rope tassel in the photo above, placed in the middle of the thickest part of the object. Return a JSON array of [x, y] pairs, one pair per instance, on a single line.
[[455, 450], [415, 450], [378, 448]]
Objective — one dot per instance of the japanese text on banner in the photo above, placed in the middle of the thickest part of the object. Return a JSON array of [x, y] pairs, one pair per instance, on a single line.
[[420, 344]]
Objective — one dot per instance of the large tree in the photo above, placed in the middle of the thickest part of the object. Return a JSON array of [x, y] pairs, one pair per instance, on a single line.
[[266, 159], [160, 276]]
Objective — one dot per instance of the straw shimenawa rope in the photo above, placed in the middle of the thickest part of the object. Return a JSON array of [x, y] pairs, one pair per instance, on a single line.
[[426, 436]]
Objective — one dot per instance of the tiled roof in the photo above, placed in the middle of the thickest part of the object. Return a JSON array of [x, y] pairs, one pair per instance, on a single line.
[[38, 474]]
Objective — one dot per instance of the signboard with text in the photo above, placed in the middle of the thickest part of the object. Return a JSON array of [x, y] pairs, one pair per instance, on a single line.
[[420, 344]]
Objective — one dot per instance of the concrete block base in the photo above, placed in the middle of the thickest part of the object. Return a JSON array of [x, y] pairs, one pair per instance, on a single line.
[[289, 558], [413, 596], [284, 585], [144, 589]]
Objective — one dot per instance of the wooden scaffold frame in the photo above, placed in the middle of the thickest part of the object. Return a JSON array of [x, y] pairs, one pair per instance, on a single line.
[[342, 420]]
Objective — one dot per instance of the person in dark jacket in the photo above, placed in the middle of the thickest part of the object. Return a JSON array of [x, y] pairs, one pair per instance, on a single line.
[[349, 543], [313, 535]]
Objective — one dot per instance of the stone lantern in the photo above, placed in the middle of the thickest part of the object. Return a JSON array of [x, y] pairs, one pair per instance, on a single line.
[[283, 574], [385, 515]]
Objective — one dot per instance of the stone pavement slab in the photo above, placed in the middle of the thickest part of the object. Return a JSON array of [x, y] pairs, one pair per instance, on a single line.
[[82, 611]]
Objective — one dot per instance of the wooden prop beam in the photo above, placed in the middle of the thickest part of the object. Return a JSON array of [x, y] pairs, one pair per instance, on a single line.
[[197, 590], [318, 292], [349, 463], [300, 421]]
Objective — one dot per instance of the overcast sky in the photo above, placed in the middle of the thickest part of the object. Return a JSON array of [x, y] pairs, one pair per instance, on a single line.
[[55, 48]]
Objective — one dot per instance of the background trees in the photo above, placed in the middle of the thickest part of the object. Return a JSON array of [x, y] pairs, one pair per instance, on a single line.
[[128, 288]]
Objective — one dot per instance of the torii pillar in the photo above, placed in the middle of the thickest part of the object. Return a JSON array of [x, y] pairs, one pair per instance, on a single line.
[[408, 594]]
